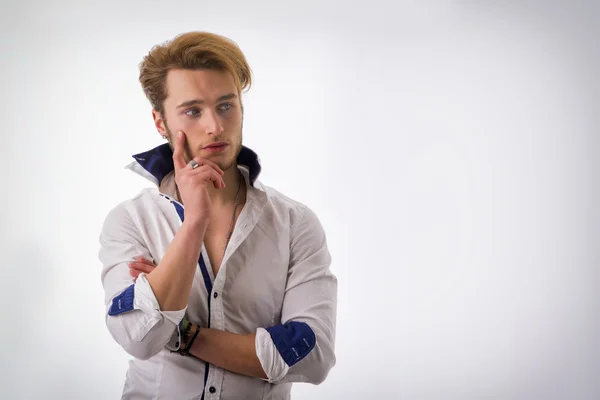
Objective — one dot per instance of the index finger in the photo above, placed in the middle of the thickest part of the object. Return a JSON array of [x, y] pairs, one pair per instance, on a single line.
[[179, 160]]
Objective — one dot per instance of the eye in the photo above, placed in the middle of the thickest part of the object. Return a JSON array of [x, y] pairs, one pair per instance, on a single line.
[[225, 107], [192, 112]]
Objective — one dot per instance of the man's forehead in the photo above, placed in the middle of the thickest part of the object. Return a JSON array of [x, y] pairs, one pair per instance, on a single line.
[[206, 85], [202, 79]]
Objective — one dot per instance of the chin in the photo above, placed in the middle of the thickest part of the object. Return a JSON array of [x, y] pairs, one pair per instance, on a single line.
[[225, 165]]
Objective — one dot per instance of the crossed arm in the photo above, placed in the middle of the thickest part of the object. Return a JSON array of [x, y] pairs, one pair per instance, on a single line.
[[230, 351], [299, 349]]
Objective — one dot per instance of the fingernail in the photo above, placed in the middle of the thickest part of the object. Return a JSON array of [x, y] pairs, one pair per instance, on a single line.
[[179, 133]]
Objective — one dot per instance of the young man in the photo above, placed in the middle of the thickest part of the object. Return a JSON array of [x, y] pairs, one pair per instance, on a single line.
[[217, 285]]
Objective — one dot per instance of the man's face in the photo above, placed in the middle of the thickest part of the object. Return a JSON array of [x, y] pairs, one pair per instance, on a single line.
[[204, 104]]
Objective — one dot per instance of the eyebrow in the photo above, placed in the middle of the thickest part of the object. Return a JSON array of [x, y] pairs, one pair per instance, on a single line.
[[192, 102]]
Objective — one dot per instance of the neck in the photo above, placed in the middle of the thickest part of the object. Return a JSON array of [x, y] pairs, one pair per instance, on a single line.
[[232, 178]]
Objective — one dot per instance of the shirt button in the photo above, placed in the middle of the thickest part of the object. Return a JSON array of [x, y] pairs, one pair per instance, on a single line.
[[212, 389], [216, 295]]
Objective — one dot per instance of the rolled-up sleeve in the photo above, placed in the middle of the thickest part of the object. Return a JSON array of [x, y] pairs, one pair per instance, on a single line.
[[302, 347], [133, 315]]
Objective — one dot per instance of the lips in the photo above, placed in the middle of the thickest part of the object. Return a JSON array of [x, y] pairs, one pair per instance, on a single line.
[[215, 145]]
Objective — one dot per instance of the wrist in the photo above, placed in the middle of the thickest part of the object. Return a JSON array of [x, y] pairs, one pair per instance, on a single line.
[[196, 223], [189, 333]]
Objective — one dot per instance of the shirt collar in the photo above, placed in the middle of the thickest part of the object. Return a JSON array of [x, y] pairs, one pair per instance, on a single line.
[[157, 163]]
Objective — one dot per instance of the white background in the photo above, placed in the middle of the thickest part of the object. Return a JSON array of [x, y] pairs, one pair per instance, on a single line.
[[450, 150]]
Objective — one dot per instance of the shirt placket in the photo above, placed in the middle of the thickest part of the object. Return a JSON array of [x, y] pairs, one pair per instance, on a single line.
[[246, 223], [212, 390]]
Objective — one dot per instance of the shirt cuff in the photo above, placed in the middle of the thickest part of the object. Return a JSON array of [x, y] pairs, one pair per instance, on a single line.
[[271, 361], [174, 344], [145, 300]]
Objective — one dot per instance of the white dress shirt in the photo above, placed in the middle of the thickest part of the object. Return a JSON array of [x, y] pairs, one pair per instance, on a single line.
[[275, 281]]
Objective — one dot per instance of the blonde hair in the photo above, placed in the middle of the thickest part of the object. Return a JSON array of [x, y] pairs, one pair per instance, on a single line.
[[191, 50]]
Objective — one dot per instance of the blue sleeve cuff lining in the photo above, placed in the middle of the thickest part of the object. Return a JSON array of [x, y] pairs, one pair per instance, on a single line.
[[123, 302], [294, 341]]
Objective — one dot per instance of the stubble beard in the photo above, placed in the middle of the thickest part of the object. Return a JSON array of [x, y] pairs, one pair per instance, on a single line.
[[224, 165]]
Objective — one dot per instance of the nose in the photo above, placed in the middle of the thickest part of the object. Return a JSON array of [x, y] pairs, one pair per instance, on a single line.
[[213, 123]]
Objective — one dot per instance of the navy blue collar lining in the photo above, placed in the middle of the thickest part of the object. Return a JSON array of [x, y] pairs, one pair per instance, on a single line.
[[159, 162]]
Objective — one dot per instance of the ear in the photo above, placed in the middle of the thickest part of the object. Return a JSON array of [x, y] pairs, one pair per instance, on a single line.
[[159, 123]]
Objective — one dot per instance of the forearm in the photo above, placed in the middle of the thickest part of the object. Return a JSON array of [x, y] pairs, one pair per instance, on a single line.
[[231, 351], [171, 280]]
